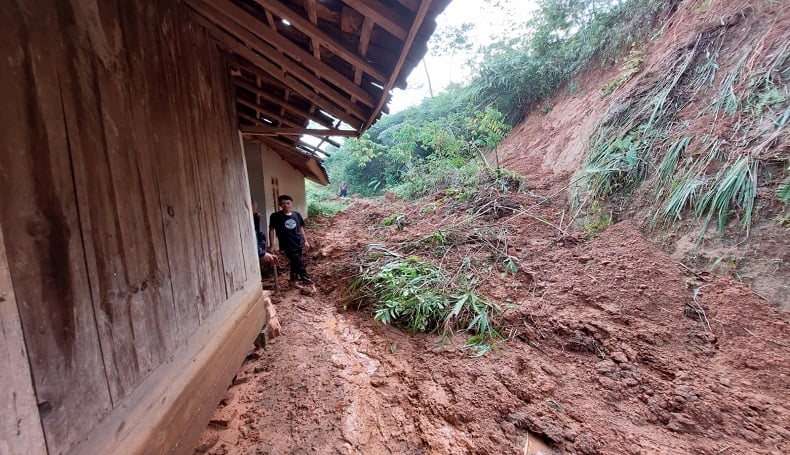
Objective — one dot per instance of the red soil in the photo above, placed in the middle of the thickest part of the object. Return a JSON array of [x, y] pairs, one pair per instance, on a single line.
[[611, 347]]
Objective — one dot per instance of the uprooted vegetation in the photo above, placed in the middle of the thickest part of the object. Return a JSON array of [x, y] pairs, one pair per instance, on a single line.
[[429, 283], [707, 134]]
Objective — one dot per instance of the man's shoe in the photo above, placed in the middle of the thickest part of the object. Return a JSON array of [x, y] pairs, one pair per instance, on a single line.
[[306, 280]]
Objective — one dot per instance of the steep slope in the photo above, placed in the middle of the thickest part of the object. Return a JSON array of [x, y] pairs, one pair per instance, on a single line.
[[712, 87]]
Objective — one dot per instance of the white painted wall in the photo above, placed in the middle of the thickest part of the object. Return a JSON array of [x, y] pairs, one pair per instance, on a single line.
[[290, 182]]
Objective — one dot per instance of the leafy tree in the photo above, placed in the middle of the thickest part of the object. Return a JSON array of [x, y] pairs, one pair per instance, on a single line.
[[450, 129]]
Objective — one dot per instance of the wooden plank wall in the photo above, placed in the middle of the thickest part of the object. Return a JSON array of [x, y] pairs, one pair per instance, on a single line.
[[124, 195]]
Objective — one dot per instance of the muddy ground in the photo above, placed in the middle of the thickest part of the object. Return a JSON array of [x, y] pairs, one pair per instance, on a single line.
[[610, 346]]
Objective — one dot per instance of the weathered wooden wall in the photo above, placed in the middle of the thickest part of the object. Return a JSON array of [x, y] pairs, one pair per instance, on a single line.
[[123, 195]]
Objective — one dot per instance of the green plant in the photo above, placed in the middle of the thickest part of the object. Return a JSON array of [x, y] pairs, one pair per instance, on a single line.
[[374, 184], [564, 36], [627, 70], [683, 193], [436, 238], [436, 175], [511, 265], [405, 290], [734, 185], [325, 208], [321, 201], [415, 294], [598, 223], [668, 165], [396, 219], [480, 325], [783, 192], [719, 179], [616, 165]]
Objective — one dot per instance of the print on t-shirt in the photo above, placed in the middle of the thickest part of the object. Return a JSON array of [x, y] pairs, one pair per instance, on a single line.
[[290, 223]]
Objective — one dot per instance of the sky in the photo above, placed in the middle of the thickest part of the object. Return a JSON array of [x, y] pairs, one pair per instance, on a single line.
[[489, 22]]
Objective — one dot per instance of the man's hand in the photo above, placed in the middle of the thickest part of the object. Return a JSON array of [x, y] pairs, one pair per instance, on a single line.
[[306, 245], [268, 257]]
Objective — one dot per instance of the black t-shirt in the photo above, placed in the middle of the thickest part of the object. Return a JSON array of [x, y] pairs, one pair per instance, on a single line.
[[288, 229]]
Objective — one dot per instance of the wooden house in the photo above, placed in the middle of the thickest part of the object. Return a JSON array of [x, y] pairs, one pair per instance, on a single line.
[[133, 133]]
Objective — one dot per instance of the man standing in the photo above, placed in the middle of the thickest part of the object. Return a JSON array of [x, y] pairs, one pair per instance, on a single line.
[[289, 227]]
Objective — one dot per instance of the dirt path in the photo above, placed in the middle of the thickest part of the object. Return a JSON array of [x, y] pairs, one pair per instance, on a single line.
[[332, 383], [611, 347]]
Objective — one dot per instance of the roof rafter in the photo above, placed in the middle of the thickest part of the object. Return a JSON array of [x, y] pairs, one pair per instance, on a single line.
[[286, 47], [380, 14], [273, 131], [325, 39], [256, 59], [267, 113], [276, 64], [239, 82]]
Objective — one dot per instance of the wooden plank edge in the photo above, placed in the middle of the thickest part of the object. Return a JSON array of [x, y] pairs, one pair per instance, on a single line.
[[20, 424], [169, 410]]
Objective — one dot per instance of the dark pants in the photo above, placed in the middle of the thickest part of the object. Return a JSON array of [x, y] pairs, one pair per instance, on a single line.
[[297, 265]]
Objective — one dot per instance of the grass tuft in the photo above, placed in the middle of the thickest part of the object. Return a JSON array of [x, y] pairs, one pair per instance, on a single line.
[[734, 185], [783, 192]]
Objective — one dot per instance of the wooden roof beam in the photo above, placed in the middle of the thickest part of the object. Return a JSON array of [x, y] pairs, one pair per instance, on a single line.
[[274, 131], [307, 82], [266, 112], [265, 65], [312, 31], [415, 27], [289, 49], [299, 146], [252, 119], [364, 43], [380, 14], [410, 4], [239, 82], [331, 142], [288, 149], [312, 16], [314, 150]]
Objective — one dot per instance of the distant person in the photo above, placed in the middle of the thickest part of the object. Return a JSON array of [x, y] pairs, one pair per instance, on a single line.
[[289, 228], [260, 237], [343, 190]]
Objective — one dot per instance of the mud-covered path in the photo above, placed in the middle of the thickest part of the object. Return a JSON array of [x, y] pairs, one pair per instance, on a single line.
[[332, 383], [314, 390], [329, 384], [605, 351]]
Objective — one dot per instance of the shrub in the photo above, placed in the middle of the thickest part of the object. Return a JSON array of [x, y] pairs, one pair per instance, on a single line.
[[418, 296]]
